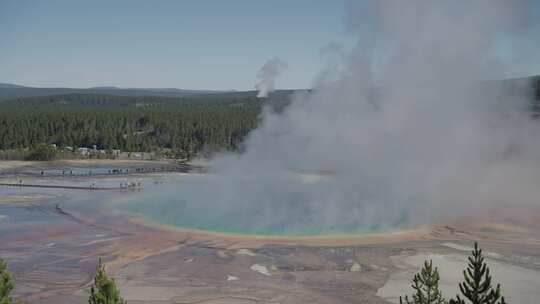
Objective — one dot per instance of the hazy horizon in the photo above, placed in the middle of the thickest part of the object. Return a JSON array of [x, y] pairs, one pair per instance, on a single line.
[[146, 87]]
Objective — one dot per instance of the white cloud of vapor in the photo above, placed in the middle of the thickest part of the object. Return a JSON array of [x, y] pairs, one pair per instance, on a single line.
[[401, 139], [267, 75]]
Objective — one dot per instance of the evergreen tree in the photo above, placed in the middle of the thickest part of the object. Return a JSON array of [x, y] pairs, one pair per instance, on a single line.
[[6, 284], [104, 290], [477, 286], [41, 152], [426, 286]]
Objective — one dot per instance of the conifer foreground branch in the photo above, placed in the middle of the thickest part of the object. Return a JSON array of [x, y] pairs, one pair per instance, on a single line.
[[104, 290], [426, 286], [6, 284], [477, 287]]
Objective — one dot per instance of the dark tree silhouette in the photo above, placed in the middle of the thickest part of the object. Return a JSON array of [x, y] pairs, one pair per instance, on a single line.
[[477, 287], [426, 286], [104, 290], [6, 284]]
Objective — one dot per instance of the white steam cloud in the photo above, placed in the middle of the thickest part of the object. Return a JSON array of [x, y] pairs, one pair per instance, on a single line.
[[401, 130], [268, 74]]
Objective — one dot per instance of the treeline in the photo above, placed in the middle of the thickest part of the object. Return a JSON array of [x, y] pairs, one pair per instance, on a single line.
[[182, 126], [477, 287]]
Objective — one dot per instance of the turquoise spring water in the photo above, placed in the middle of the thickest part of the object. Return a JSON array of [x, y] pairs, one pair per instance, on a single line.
[[172, 210]]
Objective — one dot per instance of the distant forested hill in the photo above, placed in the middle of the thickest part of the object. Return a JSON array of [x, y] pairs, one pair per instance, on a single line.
[[78, 100], [9, 91]]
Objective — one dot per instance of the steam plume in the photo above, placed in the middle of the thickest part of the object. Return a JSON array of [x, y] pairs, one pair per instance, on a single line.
[[268, 73], [403, 125]]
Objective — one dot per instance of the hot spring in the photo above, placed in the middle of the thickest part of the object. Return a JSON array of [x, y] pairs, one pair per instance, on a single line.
[[199, 202]]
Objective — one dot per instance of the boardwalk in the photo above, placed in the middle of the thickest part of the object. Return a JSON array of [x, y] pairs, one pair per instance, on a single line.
[[60, 186], [97, 171]]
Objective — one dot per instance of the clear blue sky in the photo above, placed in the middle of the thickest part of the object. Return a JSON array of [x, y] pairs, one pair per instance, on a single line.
[[202, 44]]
